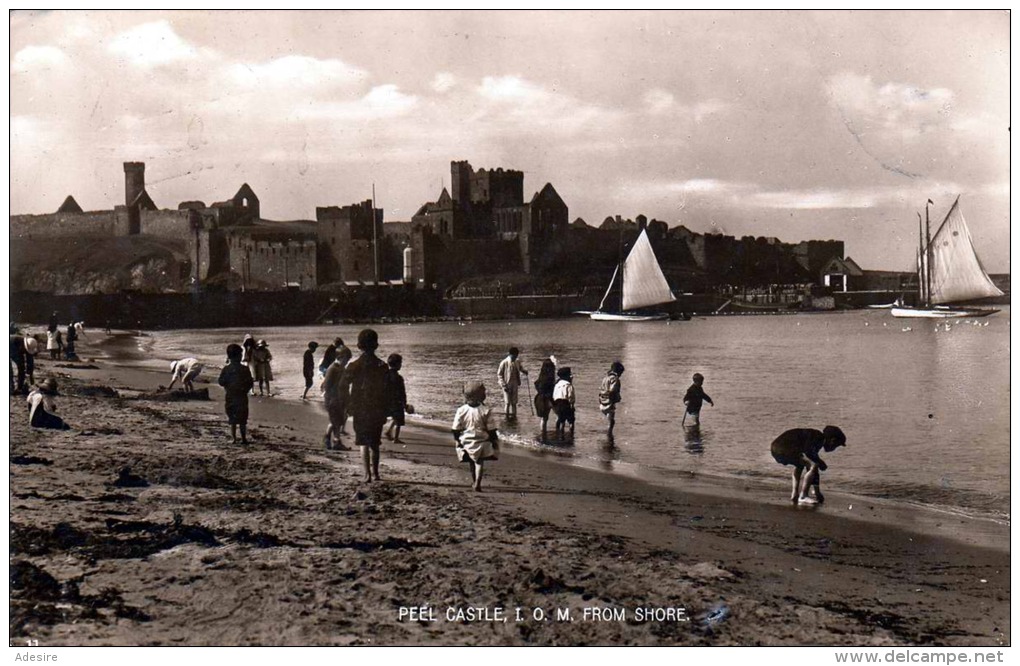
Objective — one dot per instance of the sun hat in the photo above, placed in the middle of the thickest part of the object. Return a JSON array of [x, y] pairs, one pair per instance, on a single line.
[[474, 391]]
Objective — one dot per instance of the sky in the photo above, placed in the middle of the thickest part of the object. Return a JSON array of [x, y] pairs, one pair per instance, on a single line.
[[797, 125]]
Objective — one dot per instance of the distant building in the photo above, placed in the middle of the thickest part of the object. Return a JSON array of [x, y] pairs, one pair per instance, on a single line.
[[349, 238]]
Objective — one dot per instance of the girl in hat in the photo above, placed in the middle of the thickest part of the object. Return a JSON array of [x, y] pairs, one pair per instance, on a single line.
[[476, 439], [42, 409], [563, 402], [262, 360]]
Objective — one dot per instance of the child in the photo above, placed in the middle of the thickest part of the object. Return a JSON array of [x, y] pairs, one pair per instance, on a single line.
[[610, 394], [563, 402], [236, 380], [509, 376], [263, 366], [42, 409], [476, 440], [396, 397], [51, 343], [335, 408], [544, 387], [693, 398], [799, 447], [308, 367], [31, 349], [363, 393], [186, 371]]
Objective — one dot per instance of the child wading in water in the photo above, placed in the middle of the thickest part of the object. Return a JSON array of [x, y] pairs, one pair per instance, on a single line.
[[610, 394], [476, 440], [563, 402], [396, 397], [693, 398], [236, 380]]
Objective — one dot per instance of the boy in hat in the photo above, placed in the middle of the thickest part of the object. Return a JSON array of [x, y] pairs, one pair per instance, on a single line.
[[308, 367], [563, 402], [477, 441], [187, 371], [610, 394], [236, 380], [799, 448], [694, 398], [362, 390]]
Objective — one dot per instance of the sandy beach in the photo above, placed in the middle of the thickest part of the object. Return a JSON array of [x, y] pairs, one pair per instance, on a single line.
[[145, 526]]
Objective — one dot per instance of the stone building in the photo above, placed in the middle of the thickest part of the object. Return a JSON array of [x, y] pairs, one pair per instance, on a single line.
[[350, 243], [486, 205]]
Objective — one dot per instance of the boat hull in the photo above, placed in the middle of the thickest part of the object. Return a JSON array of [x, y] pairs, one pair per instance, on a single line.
[[610, 316], [940, 313]]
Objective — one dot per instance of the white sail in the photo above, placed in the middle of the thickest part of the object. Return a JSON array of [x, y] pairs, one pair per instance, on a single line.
[[956, 273], [643, 281]]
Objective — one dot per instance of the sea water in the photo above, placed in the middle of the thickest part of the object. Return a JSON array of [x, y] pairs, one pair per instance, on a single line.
[[924, 404]]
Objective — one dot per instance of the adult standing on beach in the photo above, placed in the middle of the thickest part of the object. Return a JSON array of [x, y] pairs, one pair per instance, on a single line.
[[262, 359], [363, 391], [509, 376], [18, 360]]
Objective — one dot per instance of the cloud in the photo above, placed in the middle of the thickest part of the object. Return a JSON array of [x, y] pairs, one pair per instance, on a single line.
[[891, 107], [35, 58], [295, 71], [153, 44], [658, 101], [443, 82]]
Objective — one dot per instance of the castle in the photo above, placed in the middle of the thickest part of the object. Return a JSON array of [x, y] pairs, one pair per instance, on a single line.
[[481, 227]]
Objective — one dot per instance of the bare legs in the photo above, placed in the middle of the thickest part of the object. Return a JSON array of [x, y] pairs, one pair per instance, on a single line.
[[393, 433], [803, 482], [370, 463], [476, 474], [244, 433]]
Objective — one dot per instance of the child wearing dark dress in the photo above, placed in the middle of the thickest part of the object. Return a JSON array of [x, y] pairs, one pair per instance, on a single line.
[[308, 367], [236, 380], [396, 397]]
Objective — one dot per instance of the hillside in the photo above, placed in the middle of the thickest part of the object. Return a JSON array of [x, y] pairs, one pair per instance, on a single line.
[[98, 265]]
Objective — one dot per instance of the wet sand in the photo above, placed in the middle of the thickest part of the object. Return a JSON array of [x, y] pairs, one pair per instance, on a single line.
[[202, 542]]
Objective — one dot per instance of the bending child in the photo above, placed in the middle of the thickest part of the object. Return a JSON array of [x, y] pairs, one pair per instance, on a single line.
[[799, 448]]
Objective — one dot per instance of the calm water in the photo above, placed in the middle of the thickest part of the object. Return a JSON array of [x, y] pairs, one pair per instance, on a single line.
[[926, 412]]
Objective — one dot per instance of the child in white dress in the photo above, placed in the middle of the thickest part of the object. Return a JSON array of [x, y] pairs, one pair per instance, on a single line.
[[476, 438]]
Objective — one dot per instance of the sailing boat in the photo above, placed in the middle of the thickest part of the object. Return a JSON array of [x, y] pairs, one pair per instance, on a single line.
[[644, 285], [949, 271]]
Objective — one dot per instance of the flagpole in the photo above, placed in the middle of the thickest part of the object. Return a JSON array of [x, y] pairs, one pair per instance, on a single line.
[[375, 238]]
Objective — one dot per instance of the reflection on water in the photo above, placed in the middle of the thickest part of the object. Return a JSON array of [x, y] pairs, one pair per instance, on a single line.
[[693, 442], [910, 401]]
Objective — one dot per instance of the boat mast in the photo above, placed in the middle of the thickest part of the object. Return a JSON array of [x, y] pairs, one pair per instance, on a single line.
[[927, 253], [921, 268]]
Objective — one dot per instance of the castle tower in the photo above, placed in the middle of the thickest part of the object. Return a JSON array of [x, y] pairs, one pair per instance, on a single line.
[[460, 182], [134, 181]]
